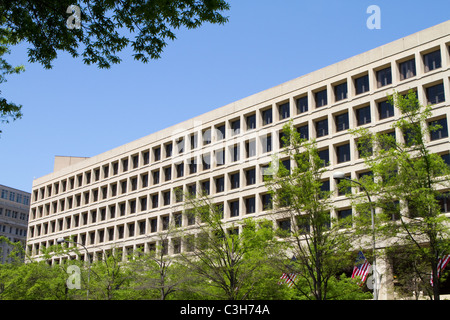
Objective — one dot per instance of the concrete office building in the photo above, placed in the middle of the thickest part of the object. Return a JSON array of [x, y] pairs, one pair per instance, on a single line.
[[14, 209], [122, 197]]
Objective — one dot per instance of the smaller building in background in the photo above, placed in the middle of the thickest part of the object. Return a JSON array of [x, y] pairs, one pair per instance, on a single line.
[[14, 208]]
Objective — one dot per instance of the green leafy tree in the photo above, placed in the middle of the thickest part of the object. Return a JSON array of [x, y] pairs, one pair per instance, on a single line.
[[96, 30], [318, 247], [407, 181], [234, 261]]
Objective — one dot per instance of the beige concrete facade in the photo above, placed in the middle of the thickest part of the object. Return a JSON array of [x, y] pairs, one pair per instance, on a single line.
[[115, 199]]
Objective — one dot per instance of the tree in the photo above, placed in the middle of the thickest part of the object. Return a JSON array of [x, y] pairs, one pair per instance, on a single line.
[[8, 110], [319, 248], [407, 182], [233, 258], [157, 274], [97, 30]]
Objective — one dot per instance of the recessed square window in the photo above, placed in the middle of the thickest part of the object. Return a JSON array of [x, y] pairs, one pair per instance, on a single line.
[[321, 128], [340, 91], [343, 153], [303, 131], [441, 129], [385, 109], [251, 122], [302, 104], [407, 69], [283, 111], [266, 116], [432, 60], [435, 94], [341, 122], [362, 84], [363, 116], [384, 77], [321, 98]]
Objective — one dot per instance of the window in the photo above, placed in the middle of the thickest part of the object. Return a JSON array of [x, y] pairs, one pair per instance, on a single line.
[[444, 202], [340, 91], [321, 98], [345, 216], [302, 104], [324, 188], [284, 225], [324, 155], [220, 184], [343, 153], [384, 77], [193, 141], [180, 145], [235, 153], [206, 137], [385, 110], [344, 187], [250, 176], [266, 200], [205, 187], [342, 122], [166, 198], [303, 131], [180, 170], [155, 175], [167, 173], [432, 60], [234, 208], [220, 132], [235, 127], [234, 180], [388, 140], [157, 153], [192, 166], [267, 116], [283, 139], [251, 122], [363, 115], [206, 161], [283, 111], [220, 157], [266, 142], [322, 128], [407, 69], [250, 148], [362, 84], [435, 94], [441, 132], [250, 205], [169, 149]]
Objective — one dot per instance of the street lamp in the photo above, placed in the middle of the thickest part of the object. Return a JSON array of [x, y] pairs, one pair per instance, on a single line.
[[341, 176], [62, 240]]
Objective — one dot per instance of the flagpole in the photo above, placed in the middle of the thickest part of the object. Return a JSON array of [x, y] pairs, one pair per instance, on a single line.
[[341, 176]]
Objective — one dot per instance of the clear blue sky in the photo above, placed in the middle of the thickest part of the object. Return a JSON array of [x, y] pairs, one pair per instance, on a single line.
[[79, 110]]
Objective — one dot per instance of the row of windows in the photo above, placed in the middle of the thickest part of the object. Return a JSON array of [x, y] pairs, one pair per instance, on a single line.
[[177, 244], [15, 196], [13, 230], [233, 208], [13, 214]]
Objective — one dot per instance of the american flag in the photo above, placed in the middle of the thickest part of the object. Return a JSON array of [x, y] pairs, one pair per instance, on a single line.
[[442, 263], [361, 268], [288, 278]]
